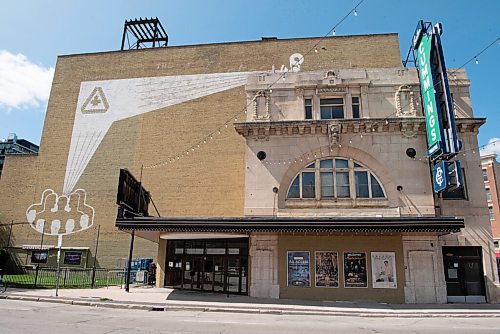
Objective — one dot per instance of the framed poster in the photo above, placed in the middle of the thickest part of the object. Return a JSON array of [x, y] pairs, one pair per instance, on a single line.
[[72, 258], [39, 256], [298, 269], [355, 275], [384, 270], [327, 269]]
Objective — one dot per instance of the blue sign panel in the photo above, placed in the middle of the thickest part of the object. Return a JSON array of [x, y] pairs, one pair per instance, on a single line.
[[440, 176]]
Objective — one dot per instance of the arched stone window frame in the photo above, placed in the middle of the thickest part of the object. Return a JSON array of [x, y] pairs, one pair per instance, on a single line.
[[363, 158]]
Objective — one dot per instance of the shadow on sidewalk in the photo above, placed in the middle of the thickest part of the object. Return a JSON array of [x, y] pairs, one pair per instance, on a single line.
[[197, 296]]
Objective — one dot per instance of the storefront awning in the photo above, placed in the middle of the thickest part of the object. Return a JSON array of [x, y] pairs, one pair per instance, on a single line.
[[439, 225]]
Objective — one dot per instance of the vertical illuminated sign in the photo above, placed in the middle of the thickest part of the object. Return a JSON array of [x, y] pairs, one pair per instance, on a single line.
[[430, 106], [437, 106]]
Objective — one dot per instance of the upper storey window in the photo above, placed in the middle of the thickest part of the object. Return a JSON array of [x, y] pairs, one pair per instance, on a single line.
[[331, 108], [356, 107], [335, 178], [308, 108]]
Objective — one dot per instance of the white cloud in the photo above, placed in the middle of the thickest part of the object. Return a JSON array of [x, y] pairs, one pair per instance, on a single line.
[[493, 146], [23, 84]]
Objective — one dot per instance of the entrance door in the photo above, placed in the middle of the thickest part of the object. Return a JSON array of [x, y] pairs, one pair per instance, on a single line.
[[219, 277], [219, 265], [464, 274], [233, 275]]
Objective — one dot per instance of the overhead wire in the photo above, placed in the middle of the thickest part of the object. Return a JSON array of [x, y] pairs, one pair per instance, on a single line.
[[205, 139]]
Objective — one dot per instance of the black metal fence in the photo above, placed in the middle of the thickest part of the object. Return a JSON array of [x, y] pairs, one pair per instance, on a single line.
[[46, 277]]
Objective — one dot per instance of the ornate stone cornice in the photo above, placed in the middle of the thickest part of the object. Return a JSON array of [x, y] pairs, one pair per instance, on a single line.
[[363, 125]]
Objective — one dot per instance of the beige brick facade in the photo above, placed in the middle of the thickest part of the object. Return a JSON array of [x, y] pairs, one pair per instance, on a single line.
[[202, 184], [162, 113]]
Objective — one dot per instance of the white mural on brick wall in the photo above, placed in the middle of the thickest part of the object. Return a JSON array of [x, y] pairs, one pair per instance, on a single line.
[[61, 215], [101, 103]]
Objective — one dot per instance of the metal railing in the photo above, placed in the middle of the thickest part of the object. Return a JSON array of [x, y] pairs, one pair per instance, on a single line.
[[46, 277]]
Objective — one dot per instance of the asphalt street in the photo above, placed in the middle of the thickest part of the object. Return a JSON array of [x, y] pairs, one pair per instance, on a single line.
[[36, 317]]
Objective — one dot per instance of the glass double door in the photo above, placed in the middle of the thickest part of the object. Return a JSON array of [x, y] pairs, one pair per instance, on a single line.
[[464, 274], [216, 273]]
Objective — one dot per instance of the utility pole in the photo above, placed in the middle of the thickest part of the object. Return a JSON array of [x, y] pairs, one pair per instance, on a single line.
[[95, 254]]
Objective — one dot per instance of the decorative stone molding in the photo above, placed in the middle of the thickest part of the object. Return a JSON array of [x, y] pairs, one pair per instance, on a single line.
[[405, 109], [334, 134], [260, 98], [408, 127], [332, 90]]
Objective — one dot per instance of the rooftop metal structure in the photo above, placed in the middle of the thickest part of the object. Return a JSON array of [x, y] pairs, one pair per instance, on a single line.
[[145, 33]]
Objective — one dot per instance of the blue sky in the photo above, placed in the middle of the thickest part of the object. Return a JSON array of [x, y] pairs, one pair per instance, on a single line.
[[33, 33]]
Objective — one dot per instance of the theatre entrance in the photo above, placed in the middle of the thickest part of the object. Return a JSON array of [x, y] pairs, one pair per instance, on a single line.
[[215, 265], [463, 269]]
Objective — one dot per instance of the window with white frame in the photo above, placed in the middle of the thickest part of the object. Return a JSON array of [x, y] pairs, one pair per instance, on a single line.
[[331, 108], [335, 178], [485, 175]]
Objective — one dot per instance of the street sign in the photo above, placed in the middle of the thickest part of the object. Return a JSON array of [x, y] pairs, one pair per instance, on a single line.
[[440, 176]]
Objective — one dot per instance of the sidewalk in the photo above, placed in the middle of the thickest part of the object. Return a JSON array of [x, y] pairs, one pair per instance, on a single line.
[[163, 299]]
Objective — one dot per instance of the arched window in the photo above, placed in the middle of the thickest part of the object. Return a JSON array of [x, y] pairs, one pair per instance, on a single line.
[[335, 178]]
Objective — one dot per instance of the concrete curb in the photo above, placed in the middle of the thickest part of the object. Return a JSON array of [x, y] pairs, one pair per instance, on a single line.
[[276, 310]]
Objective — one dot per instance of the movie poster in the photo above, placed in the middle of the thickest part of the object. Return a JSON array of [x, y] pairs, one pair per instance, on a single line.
[[355, 275], [384, 270], [298, 269], [327, 269]]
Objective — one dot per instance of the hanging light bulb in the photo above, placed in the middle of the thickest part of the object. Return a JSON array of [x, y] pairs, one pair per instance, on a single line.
[[340, 145], [211, 137], [334, 32], [270, 91], [386, 122], [204, 141], [316, 50], [226, 125], [361, 135], [355, 12], [219, 131], [350, 141], [477, 60]]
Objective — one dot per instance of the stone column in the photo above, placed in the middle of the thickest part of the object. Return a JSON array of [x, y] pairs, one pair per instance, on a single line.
[[160, 265], [264, 266], [424, 273]]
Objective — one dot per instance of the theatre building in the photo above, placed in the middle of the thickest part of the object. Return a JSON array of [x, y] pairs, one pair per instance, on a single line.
[[289, 168]]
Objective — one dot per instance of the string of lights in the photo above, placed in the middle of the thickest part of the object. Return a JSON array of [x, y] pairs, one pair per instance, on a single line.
[[234, 118], [198, 145], [386, 119]]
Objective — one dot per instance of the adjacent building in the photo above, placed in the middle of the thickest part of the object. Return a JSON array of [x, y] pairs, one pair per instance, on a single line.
[[13, 145], [278, 168], [491, 178]]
